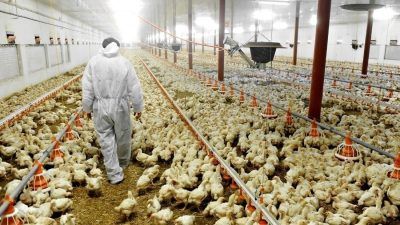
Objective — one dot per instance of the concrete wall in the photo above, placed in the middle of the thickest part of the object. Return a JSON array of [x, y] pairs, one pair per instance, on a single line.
[[38, 63]]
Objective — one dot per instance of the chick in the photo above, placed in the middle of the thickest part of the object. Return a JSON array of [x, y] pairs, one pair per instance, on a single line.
[[162, 217], [153, 205], [127, 206], [185, 220]]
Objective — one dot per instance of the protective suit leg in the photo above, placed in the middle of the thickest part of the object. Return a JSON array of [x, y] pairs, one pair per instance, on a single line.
[[123, 131], [104, 126]]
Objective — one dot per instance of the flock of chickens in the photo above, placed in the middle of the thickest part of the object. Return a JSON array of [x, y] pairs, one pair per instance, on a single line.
[[278, 161]]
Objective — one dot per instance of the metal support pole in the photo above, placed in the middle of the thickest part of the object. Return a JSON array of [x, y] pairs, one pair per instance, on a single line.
[[202, 39], [165, 28], [159, 24], [296, 33], [232, 5], [221, 40], [256, 31], [190, 23], [367, 46], [194, 40], [215, 31], [320, 48], [174, 26]]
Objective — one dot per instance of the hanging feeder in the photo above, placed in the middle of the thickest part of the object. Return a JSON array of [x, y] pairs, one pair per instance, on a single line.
[[395, 173], [233, 185], [241, 97], [250, 207], [268, 113], [223, 89], [388, 96], [254, 103], [314, 129], [261, 220], [209, 84], [56, 153], [346, 151], [215, 85], [39, 180], [289, 118], [369, 92], [231, 91], [69, 136], [334, 83], [77, 121], [10, 215], [241, 197], [350, 86]]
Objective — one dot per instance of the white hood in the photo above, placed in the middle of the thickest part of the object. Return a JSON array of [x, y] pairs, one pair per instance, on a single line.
[[110, 50]]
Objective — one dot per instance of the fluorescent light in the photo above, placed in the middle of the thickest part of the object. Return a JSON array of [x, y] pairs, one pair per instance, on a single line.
[[264, 14], [313, 20], [384, 13], [181, 30], [125, 16], [238, 30], [280, 25], [206, 22], [274, 3]]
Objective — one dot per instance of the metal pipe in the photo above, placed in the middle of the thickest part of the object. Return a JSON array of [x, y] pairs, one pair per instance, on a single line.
[[296, 33], [232, 14], [215, 30], [256, 30], [232, 173], [202, 39], [320, 48], [367, 42], [158, 7], [165, 28], [324, 126], [221, 53], [174, 26], [190, 43], [27, 178]]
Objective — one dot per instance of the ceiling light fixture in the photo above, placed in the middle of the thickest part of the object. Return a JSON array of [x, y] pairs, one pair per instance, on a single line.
[[278, 3], [386, 13], [264, 14], [280, 25]]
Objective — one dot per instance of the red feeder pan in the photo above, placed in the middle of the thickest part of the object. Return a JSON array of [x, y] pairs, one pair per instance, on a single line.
[[56, 150], [68, 134], [346, 151], [314, 129], [395, 173], [268, 113], [241, 195], [350, 86], [39, 180], [369, 92], [77, 121], [233, 185], [223, 89], [334, 83], [9, 216], [289, 118], [250, 207], [215, 85], [209, 84], [261, 220], [254, 103], [241, 97], [231, 91]]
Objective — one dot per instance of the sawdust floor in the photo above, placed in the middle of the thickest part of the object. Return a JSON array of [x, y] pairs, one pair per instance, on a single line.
[[100, 210]]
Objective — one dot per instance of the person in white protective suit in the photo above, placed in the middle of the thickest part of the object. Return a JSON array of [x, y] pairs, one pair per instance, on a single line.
[[111, 90]]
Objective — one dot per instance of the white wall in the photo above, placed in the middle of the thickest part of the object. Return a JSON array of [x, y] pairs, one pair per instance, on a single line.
[[26, 29], [383, 32]]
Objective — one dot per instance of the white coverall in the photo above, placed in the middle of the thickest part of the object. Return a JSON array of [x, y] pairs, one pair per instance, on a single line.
[[110, 88]]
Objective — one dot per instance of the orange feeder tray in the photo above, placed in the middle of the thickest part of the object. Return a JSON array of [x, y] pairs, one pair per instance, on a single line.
[[68, 134], [262, 221], [395, 173], [346, 151], [388, 96], [215, 85], [77, 121], [250, 207], [209, 84], [314, 129], [289, 118], [242, 197], [233, 185], [39, 180], [334, 83], [268, 113], [241, 96], [350, 87], [231, 91], [369, 92], [223, 89], [254, 103], [56, 150], [10, 216]]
